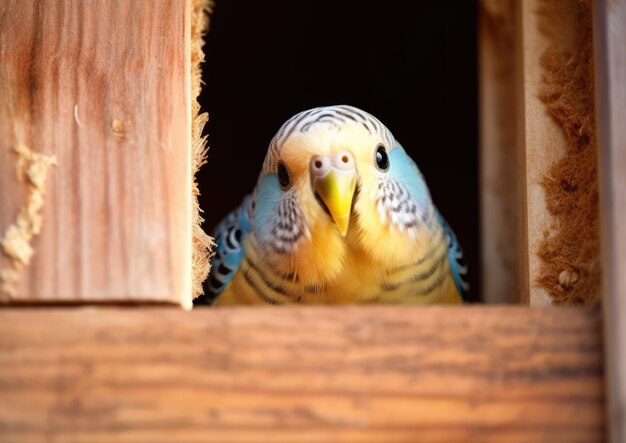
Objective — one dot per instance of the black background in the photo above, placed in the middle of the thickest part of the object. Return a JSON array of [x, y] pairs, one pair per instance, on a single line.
[[411, 64]]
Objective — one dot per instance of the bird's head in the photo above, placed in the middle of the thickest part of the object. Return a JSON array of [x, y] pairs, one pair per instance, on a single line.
[[335, 179]]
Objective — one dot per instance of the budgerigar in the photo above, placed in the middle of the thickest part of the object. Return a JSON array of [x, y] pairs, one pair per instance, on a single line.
[[340, 214]]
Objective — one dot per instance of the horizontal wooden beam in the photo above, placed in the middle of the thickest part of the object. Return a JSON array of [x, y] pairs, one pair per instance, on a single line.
[[376, 374]]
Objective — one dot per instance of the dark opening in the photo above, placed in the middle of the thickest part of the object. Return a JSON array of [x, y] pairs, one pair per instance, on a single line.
[[411, 64]]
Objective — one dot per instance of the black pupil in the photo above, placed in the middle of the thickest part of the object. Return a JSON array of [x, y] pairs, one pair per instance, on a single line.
[[283, 176], [382, 160]]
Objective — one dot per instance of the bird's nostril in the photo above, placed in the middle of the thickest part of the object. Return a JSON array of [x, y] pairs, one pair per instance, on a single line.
[[318, 164], [345, 159]]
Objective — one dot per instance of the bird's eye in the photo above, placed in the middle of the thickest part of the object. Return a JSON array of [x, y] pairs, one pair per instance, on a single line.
[[382, 159], [283, 176]]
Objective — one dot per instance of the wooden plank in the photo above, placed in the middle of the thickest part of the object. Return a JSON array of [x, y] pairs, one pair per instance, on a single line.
[[610, 35], [542, 144], [543, 25], [498, 151], [104, 89], [375, 374]]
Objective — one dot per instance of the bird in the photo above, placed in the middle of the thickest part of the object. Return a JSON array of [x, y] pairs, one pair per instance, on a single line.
[[340, 215]]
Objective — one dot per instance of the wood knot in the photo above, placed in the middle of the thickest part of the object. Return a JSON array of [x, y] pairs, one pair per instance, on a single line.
[[118, 129]]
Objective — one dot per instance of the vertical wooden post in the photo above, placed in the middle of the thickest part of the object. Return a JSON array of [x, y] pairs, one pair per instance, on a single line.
[[547, 28], [498, 151], [102, 90], [610, 48], [542, 144]]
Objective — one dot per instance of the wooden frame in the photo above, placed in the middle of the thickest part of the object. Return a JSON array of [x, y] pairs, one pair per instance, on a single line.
[[342, 374], [535, 122], [375, 374], [610, 52], [114, 223], [500, 188]]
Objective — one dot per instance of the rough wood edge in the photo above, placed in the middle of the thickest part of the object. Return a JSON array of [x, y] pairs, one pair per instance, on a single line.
[[202, 242], [32, 168], [543, 145], [570, 269]]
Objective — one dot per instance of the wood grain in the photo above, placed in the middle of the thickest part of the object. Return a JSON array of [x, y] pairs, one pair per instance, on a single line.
[[541, 139], [610, 35], [375, 374], [498, 152], [105, 87]]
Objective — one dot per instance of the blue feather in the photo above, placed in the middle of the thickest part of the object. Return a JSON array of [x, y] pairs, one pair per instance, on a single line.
[[403, 168], [229, 237], [455, 257], [267, 198]]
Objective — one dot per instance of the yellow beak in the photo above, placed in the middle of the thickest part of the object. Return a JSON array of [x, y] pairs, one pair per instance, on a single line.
[[336, 189]]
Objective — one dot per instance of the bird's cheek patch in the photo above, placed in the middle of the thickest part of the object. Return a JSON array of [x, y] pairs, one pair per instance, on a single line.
[[396, 207], [404, 171]]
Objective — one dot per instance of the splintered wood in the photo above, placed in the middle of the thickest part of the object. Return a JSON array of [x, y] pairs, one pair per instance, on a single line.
[[559, 216], [103, 88], [353, 374], [15, 243]]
